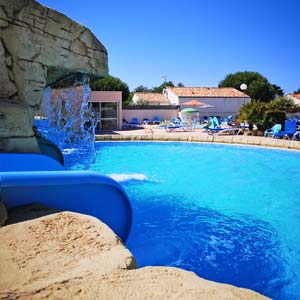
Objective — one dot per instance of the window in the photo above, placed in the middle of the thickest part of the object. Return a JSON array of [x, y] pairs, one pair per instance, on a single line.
[[108, 115]]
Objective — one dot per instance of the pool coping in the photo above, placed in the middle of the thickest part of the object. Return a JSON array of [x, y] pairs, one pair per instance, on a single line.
[[228, 139]]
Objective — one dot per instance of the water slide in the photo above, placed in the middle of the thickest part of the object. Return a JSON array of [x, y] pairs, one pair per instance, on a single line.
[[36, 178]]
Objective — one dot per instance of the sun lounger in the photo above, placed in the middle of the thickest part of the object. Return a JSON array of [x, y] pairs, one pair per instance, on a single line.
[[296, 135], [289, 130], [271, 131], [170, 128], [228, 130], [134, 121], [156, 120]]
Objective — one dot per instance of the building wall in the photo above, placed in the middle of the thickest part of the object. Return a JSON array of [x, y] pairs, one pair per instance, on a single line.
[[106, 96], [167, 114], [109, 96], [174, 100], [222, 106], [294, 99], [135, 98]]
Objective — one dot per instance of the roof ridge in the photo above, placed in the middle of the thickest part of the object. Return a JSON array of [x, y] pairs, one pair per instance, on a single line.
[[201, 87], [208, 92]]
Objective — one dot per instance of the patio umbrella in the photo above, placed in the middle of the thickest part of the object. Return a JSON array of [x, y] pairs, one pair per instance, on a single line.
[[207, 106], [194, 103], [189, 110], [197, 103]]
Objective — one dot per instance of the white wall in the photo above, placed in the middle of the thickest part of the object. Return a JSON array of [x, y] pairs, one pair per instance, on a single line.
[[222, 106], [135, 98], [167, 114], [174, 100]]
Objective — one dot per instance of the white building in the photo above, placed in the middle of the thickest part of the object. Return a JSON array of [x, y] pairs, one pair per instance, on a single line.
[[150, 99], [294, 97], [224, 101]]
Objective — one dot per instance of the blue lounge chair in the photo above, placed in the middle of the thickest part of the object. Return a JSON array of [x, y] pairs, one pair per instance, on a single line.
[[297, 119], [296, 135], [215, 128], [289, 130], [135, 121], [156, 120], [170, 128], [212, 125], [176, 121], [228, 130], [229, 120], [146, 121], [271, 131]]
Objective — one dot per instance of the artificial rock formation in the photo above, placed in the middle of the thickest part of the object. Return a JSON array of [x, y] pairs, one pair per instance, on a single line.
[[57, 248], [73, 256], [3, 213], [37, 45]]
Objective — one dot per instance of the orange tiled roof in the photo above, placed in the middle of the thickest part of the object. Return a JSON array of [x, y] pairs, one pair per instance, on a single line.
[[297, 96], [207, 92], [152, 97]]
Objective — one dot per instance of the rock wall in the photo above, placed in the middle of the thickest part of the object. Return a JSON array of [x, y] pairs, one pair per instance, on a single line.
[[73, 256], [37, 44], [3, 213]]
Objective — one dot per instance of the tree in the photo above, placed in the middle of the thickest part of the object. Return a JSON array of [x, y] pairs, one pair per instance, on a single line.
[[141, 89], [259, 87], [283, 104], [265, 115], [252, 112], [278, 90], [111, 83], [297, 91], [160, 88], [179, 84]]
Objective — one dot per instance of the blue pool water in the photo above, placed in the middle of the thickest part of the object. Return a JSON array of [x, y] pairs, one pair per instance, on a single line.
[[228, 213]]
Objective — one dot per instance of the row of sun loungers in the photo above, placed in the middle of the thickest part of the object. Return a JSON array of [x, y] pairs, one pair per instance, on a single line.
[[289, 132], [213, 127]]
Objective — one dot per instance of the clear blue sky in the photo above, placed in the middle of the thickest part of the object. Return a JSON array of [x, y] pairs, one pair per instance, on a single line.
[[194, 42]]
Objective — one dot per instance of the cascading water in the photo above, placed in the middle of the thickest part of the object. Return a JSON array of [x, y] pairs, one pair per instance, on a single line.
[[71, 121]]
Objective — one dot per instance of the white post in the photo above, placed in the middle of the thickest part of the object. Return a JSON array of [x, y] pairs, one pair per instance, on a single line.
[[243, 88]]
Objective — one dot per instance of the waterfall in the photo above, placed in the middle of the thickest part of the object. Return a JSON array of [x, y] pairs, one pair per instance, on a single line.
[[71, 122]]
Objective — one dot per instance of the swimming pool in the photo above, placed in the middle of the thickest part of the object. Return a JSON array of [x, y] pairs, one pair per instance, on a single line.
[[228, 213]]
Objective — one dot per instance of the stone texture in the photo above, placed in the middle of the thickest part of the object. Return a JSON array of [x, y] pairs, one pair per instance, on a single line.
[[73, 256], [35, 41], [3, 213], [13, 122], [15, 144], [55, 249], [148, 283], [29, 212]]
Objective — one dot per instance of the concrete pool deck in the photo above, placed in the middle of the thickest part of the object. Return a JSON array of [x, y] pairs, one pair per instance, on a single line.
[[197, 135]]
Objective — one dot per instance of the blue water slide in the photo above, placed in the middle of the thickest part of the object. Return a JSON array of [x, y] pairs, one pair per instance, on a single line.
[[34, 178], [28, 162]]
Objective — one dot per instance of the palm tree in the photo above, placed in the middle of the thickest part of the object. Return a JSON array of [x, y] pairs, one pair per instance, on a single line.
[[253, 113], [283, 104], [264, 115]]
